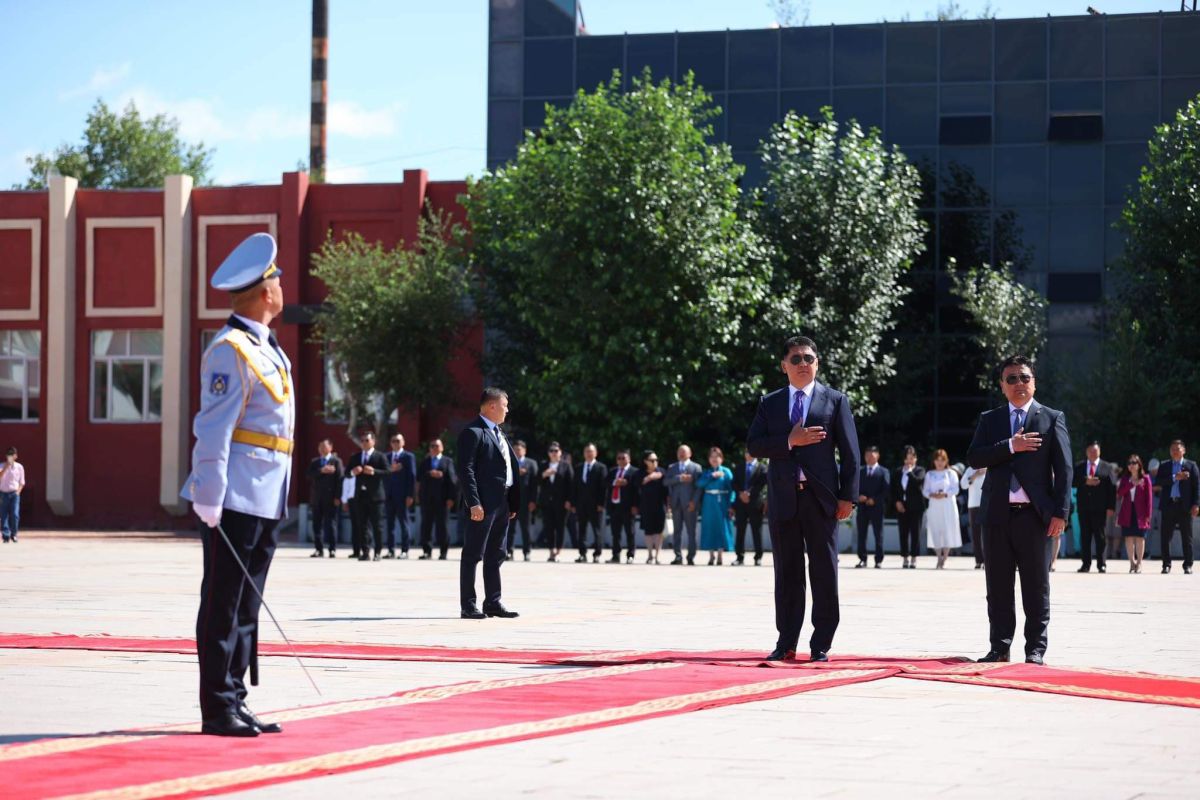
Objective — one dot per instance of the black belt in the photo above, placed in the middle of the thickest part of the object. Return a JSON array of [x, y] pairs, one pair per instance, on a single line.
[[1015, 507], [801, 486]]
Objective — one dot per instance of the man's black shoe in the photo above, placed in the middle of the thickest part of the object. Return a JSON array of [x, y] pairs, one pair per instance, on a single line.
[[737, 562], [333, 554], [471, 612], [1166, 569], [499, 610], [862, 562], [424, 556], [691, 561], [581, 560], [878, 565], [819, 655], [376, 558], [595, 558], [995, 656], [314, 554], [758, 561], [678, 560], [1186, 570], [249, 718], [1034, 658], [364, 558], [614, 560], [1102, 568], [1085, 568], [442, 557], [390, 554], [782, 654], [229, 724]]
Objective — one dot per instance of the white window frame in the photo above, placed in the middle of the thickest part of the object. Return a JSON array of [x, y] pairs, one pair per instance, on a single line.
[[32, 366], [109, 361], [328, 375]]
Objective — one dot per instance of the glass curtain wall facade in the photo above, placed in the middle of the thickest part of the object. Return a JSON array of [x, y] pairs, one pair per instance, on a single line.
[[1028, 133]]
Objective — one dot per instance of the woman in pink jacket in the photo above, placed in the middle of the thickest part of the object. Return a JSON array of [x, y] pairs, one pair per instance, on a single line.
[[1135, 492]]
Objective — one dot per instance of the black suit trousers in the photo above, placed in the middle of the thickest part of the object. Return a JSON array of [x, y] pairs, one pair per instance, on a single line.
[[520, 521], [747, 517], [367, 521], [397, 514], [1091, 529], [324, 523], [873, 518], [1019, 544], [485, 541], [815, 532], [227, 622], [910, 533], [1175, 515], [590, 518], [553, 525], [620, 522], [433, 520]]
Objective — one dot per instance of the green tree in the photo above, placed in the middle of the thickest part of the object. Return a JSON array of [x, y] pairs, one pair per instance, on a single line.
[[124, 151], [840, 212], [617, 273], [1010, 317], [394, 318]]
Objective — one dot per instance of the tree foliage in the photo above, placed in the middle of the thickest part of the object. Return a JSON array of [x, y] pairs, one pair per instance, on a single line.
[[394, 318], [617, 272], [1010, 317], [124, 151], [840, 212]]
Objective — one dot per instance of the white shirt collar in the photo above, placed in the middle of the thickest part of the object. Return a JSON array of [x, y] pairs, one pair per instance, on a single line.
[[808, 393], [1024, 408], [257, 328], [491, 425]]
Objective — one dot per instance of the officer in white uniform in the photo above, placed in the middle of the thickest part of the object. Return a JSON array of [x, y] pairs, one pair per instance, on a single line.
[[241, 467]]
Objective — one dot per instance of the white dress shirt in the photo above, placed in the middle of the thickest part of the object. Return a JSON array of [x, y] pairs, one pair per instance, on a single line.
[[1018, 496], [504, 449], [808, 394]]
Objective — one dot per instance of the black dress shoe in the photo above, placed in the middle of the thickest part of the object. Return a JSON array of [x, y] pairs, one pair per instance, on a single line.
[[1102, 568], [862, 562], [333, 554], [376, 558], [249, 718], [229, 724], [499, 610], [819, 655], [390, 554], [614, 560], [758, 561], [737, 562], [581, 560], [994, 656], [782, 654], [878, 565], [1034, 658], [678, 560], [442, 557], [314, 554], [1166, 569], [1186, 570], [424, 556], [364, 558], [1085, 568], [691, 561], [471, 612]]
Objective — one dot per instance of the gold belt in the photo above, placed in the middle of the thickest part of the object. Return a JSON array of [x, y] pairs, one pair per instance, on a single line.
[[256, 439]]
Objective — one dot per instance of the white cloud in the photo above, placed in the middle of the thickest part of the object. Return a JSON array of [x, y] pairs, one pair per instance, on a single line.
[[336, 172], [350, 119], [274, 123], [102, 78], [198, 118]]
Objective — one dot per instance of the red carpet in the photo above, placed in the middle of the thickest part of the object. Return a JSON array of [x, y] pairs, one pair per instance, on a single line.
[[340, 737]]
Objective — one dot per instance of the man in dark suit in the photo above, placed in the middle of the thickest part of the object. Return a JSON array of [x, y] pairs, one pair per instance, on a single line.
[[622, 487], [555, 491], [436, 490], [873, 489], [325, 489], [400, 494], [909, 502], [1179, 498], [591, 485], [487, 473], [1025, 504], [368, 468], [748, 484], [527, 479], [800, 428], [1096, 498]]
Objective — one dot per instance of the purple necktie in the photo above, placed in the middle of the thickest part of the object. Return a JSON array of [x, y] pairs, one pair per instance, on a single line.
[[796, 416]]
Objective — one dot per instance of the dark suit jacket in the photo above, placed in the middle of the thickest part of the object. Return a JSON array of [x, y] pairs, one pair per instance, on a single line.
[[877, 487], [1099, 499], [325, 487], [756, 484], [1189, 490], [529, 481], [557, 494], [434, 492], [403, 482], [591, 495], [912, 497], [630, 493], [481, 471], [768, 438], [369, 487], [1044, 474]]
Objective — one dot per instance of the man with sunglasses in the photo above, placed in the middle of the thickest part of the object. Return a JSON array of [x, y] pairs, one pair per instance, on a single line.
[[800, 428], [1025, 504]]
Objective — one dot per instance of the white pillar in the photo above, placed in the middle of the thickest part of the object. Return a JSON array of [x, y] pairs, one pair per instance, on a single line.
[[60, 348], [176, 395]]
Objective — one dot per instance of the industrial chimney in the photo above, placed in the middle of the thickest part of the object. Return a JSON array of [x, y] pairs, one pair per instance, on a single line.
[[320, 88]]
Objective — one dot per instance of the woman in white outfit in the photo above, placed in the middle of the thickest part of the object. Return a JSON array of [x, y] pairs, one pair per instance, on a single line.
[[941, 518]]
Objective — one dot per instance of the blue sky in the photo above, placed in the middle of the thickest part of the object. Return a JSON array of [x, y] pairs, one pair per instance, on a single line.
[[407, 78]]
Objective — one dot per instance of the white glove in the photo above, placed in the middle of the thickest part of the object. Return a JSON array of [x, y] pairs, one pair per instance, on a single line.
[[209, 515]]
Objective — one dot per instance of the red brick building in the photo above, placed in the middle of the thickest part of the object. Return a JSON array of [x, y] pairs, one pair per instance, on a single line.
[[105, 309]]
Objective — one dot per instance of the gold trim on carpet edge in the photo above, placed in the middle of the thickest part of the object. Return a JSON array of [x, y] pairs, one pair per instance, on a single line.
[[1059, 688]]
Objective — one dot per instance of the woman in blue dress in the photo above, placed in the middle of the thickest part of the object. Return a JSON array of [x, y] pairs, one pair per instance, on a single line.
[[716, 527]]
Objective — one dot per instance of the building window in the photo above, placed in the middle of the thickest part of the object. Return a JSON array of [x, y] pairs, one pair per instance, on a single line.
[[20, 375], [335, 408], [127, 376], [206, 338]]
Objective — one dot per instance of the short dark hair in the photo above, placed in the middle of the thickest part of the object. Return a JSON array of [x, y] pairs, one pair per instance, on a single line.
[[1178, 442], [798, 341], [12, 451], [592, 445], [717, 450], [871, 449], [1016, 360], [1092, 443], [554, 446], [327, 441], [520, 443], [624, 451], [365, 434], [909, 450], [491, 393]]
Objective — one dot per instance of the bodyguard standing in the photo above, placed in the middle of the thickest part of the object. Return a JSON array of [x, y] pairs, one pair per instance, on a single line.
[[685, 501], [487, 472], [624, 489], [436, 490], [399, 494], [1096, 499], [241, 469], [527, 480], [909, 502], [591, 486], [554, 498], [1026, 499], [874, 487], [749, 481], [325, 488], [368, 468], [1178, 483]]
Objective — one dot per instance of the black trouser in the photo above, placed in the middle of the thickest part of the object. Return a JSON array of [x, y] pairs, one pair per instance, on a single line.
[[1091, 529], [1017, 544], [910, 533], [227, 623], [368, 527], [433, 518], [620, 521], [751, 516], [572, 524], [553, 525], [1176, 514], [324, 523], [397, 512], [815, 531], [975, 525], [484, 540], [590, 517], [872, 517], [520, 521]]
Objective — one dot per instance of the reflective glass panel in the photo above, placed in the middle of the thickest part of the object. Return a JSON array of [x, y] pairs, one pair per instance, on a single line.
[[912, 53], [966, 177], [704, 55], [804, 56], [806, 103], [110, 343], [754, 59], [1072, 96], [548, 67], [12, 388], [967, 98], [864, 105], [504, 70], [25, 343], [1076, 48], [1076, 239], [1020, 112], [100, 390], [912, 116], [1176, 92], [1131, 47], [595, 59], [1180, 53], [128, 391], [145, 343], [751, 115], [1020, 50], [156, 386], [857, 55], [1131, 109], [549, 17], [1019, 237], [1122, 166], [1020, 175], [655, 52], [1076, 174], [966, 51]]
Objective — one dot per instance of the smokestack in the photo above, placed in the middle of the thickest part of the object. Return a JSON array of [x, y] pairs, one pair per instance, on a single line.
[[320, 88]]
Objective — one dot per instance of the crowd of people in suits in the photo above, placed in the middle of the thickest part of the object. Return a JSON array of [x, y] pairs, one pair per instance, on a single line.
[[712, 506]]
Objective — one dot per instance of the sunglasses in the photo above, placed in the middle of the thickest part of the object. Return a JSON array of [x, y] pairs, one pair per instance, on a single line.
[[1133, 463], [1024, 377], [655, 460], [802, 358], [554, 450]]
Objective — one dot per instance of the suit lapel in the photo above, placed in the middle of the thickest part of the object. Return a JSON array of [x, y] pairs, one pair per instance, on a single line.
[[820, 400]]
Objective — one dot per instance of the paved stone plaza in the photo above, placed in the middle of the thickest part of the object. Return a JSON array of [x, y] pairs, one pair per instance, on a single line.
[[892, 738]]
